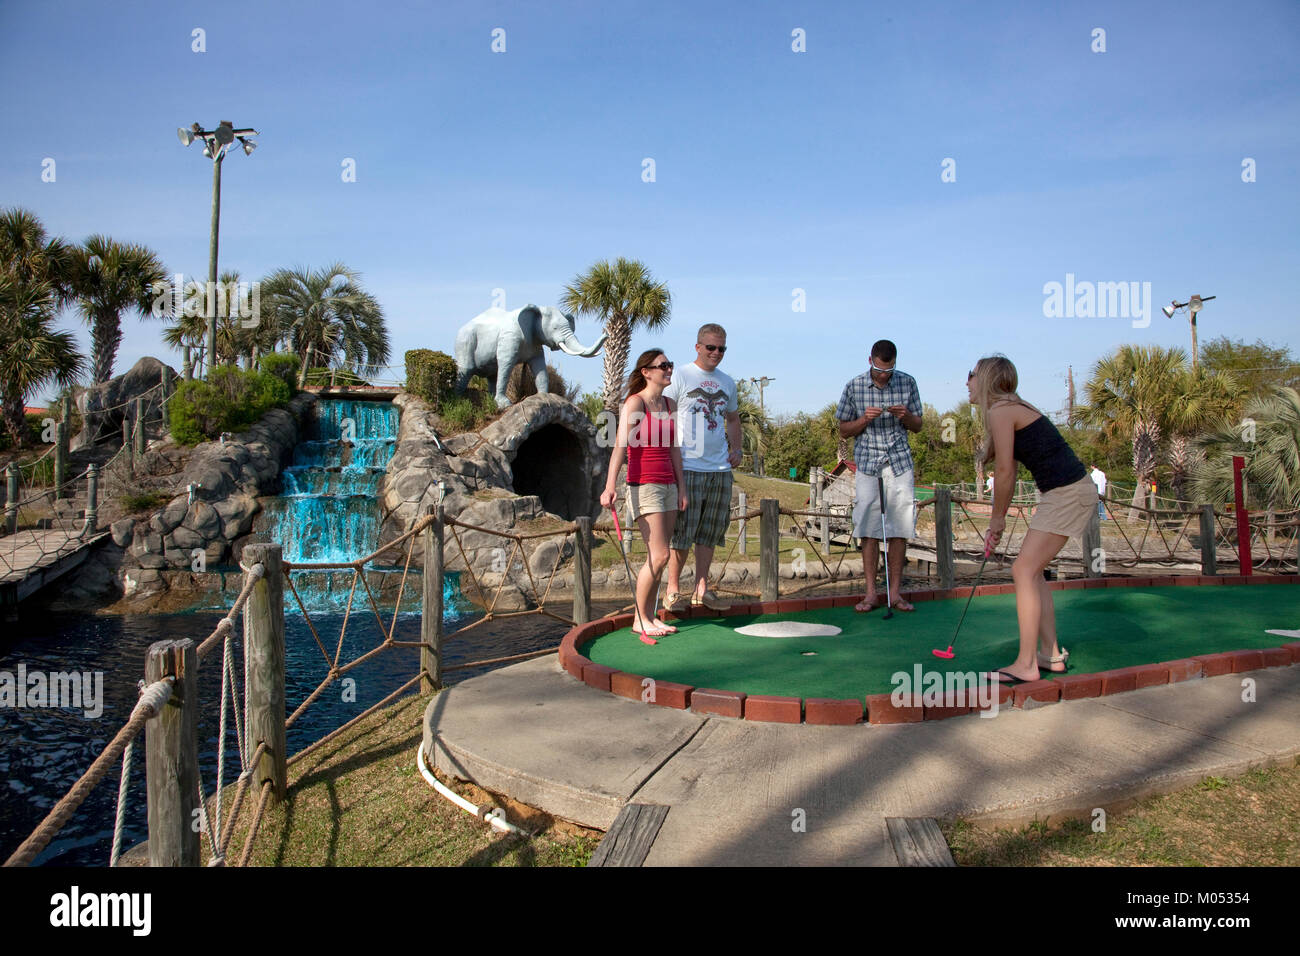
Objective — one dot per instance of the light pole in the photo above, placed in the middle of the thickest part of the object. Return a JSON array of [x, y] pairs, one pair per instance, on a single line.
[[762, 384], [1192, 305], [216, 143]]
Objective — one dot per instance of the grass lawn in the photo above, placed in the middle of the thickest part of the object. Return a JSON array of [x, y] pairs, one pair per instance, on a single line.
[[1253, 820], [361, 801]]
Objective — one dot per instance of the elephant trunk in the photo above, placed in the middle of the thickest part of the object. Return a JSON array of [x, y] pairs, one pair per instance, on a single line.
[[570, 345]]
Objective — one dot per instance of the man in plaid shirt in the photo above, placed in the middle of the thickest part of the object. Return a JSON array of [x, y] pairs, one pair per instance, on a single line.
[[879, 408]]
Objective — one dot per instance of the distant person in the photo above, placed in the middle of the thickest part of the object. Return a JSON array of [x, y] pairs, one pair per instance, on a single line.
[[879, 408], [656, 492], [708, 426], [988, 485], [1018, 432], [1099, 479]]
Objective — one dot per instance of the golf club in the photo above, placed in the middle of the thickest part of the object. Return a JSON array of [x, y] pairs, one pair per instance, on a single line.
[[948, 654], [645, 638], [884, 544]]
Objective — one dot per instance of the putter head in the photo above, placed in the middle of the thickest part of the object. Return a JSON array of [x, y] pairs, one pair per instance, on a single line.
[[889, 612], [946, 655]]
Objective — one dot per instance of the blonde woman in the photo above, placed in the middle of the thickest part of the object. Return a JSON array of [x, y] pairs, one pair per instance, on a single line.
[[656, 491], [1015, 431]]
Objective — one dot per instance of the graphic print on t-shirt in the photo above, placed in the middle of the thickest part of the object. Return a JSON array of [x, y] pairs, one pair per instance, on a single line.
[[709, 401]]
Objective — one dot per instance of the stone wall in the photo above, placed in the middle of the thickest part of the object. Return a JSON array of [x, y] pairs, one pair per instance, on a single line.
[[544, 445], [161, 551]]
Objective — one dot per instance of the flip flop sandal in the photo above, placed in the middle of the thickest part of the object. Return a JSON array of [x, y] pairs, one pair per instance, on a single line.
[[1049, 663], [1009, 679]]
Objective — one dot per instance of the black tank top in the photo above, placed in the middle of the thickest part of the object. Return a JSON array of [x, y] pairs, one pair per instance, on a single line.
[[1041, 449]]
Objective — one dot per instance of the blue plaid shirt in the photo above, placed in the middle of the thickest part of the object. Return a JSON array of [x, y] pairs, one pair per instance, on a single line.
[[885, 437]]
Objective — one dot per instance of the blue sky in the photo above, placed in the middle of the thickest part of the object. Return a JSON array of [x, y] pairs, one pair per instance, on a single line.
[[775, 170]]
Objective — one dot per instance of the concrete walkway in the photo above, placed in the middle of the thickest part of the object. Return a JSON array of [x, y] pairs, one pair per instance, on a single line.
[[737, 789]]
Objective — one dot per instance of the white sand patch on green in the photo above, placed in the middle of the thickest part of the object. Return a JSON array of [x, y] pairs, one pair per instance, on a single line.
[[788, 629]]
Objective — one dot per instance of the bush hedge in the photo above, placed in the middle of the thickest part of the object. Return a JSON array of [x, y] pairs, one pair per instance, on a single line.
[[230, 400], [283, 365], [431, 375]]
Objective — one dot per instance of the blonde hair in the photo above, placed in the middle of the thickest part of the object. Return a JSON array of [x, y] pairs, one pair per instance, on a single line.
[[995, 383]]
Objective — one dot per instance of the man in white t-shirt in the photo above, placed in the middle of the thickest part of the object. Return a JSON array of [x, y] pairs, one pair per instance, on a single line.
[[1099, 479], [708, 428]]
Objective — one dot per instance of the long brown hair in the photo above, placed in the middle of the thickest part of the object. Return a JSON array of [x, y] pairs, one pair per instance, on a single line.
[[636, 381], [995, 382]]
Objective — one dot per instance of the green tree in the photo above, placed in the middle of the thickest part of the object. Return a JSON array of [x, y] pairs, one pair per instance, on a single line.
[[34, 354], [1261, 368], [625, 297], [235, 339], [107, 279], [1150, 396], [31, 257], [803, 441], [1269, 439], [325, 317]]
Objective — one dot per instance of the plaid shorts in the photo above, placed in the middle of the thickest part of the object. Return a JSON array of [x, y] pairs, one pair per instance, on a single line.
[[705, 521]]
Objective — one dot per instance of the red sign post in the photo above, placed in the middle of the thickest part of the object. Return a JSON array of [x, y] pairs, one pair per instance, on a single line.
[[1243, 516]]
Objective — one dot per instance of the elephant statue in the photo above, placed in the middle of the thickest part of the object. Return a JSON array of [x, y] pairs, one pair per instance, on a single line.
[[492, 342]]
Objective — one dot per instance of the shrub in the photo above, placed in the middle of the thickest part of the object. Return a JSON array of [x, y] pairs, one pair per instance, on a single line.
[[283, 365], [522, 383], [462, 413], [230, 400], [144, 501], [431, 375]]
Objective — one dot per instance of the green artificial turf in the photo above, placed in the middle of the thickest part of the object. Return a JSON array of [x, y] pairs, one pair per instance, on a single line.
[[1103, 628]]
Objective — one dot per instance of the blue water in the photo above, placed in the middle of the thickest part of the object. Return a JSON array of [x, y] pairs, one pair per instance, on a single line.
[[43, 751]]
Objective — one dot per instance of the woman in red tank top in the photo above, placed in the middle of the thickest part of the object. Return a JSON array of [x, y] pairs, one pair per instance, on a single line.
[[656, 490]]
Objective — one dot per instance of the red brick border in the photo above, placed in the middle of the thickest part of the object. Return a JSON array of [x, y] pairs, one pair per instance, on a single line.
[[878, 708]]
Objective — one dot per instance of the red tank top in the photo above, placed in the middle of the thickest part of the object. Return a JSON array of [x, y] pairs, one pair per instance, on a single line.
[[649, 450]]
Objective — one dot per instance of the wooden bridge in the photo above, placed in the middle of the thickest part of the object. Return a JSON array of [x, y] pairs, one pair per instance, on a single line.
[[29, 560]]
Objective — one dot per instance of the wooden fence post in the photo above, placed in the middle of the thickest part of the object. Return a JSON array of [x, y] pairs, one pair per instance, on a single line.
[[61, 449], [172, 757], [431, 617], [582, 570], [11, 498], [740, 530], [264, 669], [92, 501], [1092, 547], [943, 557], [137, 448], [769, 548], [1209, 542]]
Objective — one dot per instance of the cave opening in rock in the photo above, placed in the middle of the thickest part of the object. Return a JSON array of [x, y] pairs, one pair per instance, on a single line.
[[551, 464]]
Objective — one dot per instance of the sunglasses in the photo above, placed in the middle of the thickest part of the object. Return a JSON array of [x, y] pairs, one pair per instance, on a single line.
[[882, 371], [666, 366], [720, 349]]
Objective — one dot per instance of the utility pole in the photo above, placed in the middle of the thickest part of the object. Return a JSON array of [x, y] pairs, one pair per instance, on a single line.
[[1069, 401], [762, 384]]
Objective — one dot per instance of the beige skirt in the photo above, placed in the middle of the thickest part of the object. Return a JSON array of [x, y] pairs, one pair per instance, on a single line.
[[1066, 510]]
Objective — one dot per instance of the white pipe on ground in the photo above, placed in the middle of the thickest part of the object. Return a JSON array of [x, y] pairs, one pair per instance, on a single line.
[[494, 817]]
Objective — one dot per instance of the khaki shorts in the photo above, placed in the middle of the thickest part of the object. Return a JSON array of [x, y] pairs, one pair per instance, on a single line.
[[1066, 510], [651, 499]]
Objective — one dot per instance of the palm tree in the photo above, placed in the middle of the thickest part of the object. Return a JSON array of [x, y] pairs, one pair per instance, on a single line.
[[1136, 393], [235, 340], [34, 354], [325, 316], [1269, 439], [625, 297], [30, 257], [1205, 397], [109, 278]]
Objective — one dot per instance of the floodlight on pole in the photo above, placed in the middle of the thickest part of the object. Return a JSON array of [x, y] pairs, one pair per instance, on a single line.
[[216, 143], [1193, 305]]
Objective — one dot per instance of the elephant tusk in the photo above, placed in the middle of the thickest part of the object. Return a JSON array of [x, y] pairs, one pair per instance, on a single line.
[[579, 351]]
